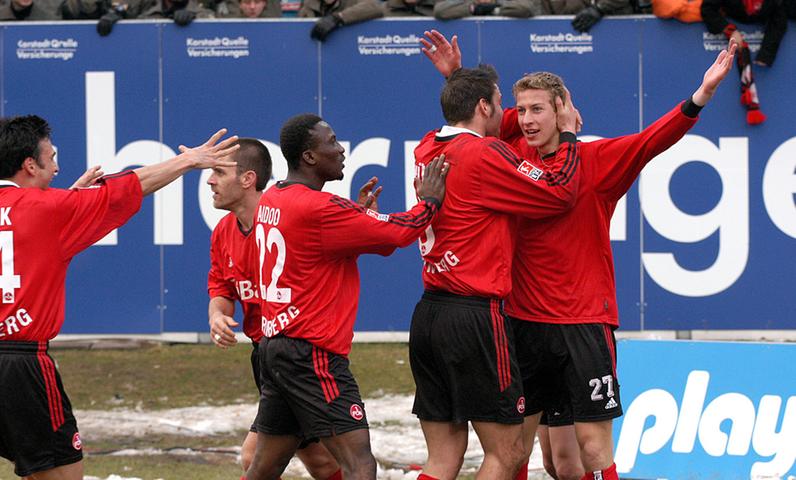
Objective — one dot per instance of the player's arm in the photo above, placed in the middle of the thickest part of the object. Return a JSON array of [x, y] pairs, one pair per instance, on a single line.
[[348, 229], [210, 154], [221, 308], [622, 159], [219, 313], [519, 186], [89, 177]]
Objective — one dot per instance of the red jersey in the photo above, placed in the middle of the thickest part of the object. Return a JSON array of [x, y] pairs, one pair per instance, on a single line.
[[563, 266], [233, 271], [468, 248], [40, 232], [308, 243]]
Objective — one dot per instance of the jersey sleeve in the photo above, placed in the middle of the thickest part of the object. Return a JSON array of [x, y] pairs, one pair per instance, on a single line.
[[96, 211], [618, 161], [510, 127], [217, 286], [348, 229], [514, 185]]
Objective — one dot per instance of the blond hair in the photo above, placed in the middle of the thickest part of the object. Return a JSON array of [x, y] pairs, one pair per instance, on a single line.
[[550, 82]]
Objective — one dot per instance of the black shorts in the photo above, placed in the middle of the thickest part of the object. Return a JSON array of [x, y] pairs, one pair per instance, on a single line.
[[306, 391], [461, 350], [562, 417], [37, 429], [255, 359], [568, 371]]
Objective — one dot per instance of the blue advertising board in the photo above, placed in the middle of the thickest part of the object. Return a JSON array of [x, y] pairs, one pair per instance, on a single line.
[[709, 411], [698, 245]]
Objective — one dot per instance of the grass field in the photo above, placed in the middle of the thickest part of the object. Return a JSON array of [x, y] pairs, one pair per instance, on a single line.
[[158, 376]]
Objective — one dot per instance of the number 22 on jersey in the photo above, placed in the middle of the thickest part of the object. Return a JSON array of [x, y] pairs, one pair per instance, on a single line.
[[274, 243]]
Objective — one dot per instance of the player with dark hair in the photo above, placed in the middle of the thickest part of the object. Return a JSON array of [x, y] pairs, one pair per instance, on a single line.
[[461, 346], [563, 302], [41, 229], [308, 243]]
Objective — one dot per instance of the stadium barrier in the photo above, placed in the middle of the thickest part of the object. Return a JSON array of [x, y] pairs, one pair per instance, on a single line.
[[703, 245]]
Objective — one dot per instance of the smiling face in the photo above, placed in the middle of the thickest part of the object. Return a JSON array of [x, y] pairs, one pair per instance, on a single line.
[[537, 118], [327, 152]]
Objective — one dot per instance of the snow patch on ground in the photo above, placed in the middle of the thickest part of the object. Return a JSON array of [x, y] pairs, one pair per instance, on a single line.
[[395, 433]]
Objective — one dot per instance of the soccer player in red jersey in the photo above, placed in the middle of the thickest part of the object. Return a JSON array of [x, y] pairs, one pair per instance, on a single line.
[[563, 304], [41, 229], [308, 243], [233, 277], [460, 345]]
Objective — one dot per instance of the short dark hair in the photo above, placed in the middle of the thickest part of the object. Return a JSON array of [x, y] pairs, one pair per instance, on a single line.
[[464, 89], [253, 155], [295, 137], [19, 139]]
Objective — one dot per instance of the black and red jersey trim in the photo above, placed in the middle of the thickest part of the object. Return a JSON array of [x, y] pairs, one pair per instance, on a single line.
[[609, 340], [54, 400], [501, 345], [504, 151], [320, 361], [564, 175], [401, 219]]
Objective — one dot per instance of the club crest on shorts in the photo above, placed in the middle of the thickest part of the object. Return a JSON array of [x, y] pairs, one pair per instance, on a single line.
[[356, 412], [77, 444], [521, 405], [530, 171]]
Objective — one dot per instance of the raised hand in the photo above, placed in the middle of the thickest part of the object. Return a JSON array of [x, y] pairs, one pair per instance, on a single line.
[[446, 56], [368, 197], [211, 153], [433, 183], [715, 74], [89, 178], [567, 116]]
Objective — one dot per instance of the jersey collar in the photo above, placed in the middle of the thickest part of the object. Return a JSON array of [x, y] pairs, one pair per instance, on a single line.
[[8, 183], [447, 131]]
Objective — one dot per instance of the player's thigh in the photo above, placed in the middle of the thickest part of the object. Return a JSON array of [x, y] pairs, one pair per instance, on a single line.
[[445, 439], [37, 426], [590, 375], [318, 387], [541, 357], [351, 450], [73, 471], [318, 460], [501, 441], [471, 368]]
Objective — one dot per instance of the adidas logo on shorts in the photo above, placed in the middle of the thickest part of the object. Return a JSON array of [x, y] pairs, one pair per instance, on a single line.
[[611, 404]]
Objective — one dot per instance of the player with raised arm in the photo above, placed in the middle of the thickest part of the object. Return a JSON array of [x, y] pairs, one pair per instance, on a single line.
[[233, 275], [461, 346], [563, 304], [308, 243], [41, 229]]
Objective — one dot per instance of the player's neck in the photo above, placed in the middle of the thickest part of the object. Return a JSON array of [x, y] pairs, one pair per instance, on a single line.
[[549, 147], [22, 179], [245, 211], [472, 125], [304, 177]]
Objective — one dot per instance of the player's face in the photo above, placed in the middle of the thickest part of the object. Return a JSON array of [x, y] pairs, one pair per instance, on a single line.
[[537, 119], [327, 152], [493, 123], [45, 166], [252, 8], [226, 187]]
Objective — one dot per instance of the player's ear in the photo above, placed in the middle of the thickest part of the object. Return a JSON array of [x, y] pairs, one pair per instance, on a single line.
[[248, 179], [308, 157], [29, 165]]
